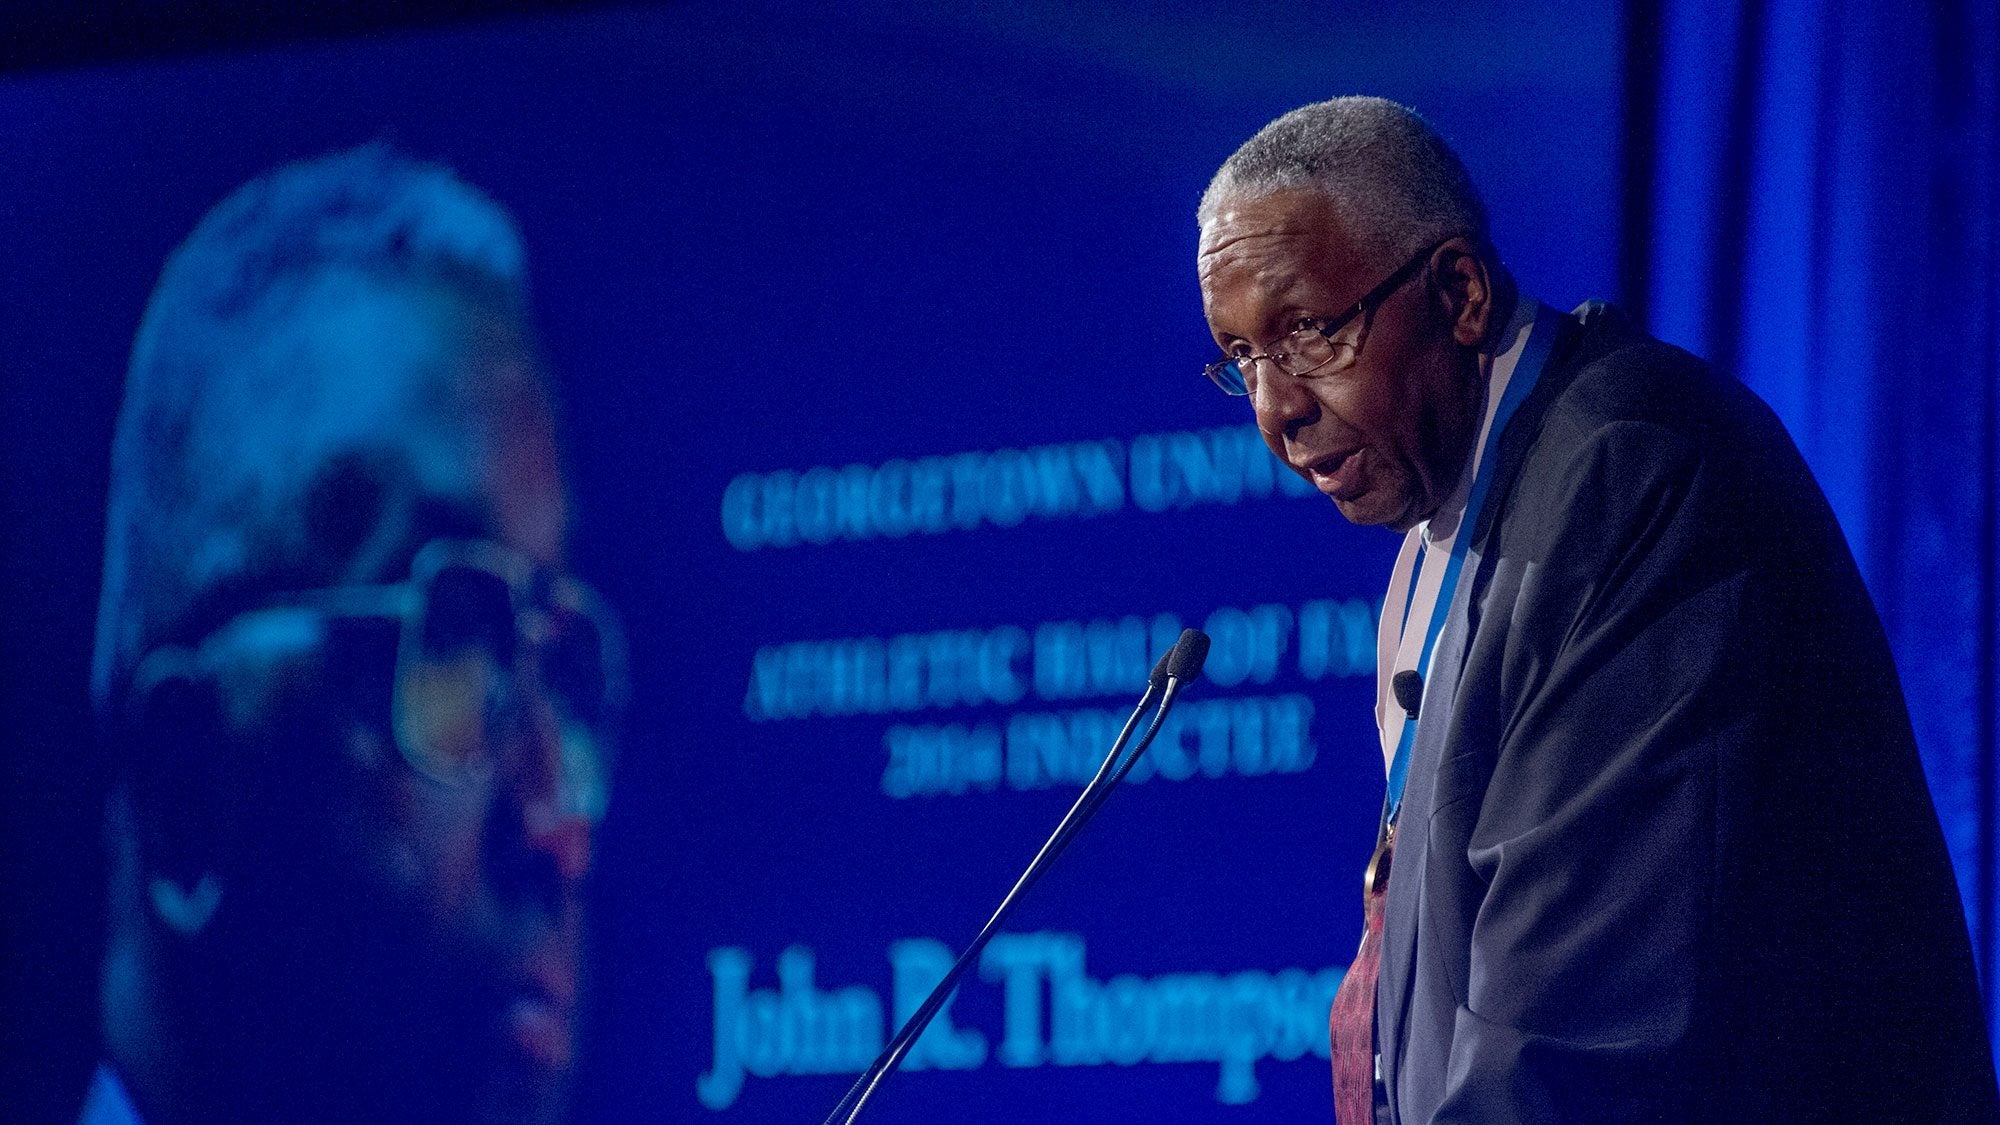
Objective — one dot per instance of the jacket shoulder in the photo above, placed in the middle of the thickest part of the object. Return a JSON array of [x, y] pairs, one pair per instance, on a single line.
[[1609, 371], [1621, 415]]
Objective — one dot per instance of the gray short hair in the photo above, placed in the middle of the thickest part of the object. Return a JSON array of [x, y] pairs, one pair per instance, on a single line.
[[1387, 172]]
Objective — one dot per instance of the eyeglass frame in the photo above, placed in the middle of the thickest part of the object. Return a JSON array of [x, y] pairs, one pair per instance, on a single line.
[[1220, 371], [404, 603]]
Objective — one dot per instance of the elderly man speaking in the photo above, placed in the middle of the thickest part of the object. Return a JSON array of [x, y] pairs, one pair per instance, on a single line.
[[1656, 844]]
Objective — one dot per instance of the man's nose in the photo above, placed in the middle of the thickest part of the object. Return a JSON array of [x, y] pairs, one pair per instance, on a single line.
[[553, 823], [1282, 403]]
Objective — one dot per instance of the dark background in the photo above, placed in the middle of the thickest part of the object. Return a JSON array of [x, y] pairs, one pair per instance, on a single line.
[[767, 236]]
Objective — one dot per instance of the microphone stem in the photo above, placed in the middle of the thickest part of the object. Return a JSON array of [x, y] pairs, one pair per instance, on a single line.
[[1086, 805]]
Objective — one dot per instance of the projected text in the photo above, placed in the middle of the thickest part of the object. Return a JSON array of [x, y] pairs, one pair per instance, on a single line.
[[1054, 1013], [1002, 488]]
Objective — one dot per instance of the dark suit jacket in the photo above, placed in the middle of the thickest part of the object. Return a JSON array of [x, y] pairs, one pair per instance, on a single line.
[[1667, 852]]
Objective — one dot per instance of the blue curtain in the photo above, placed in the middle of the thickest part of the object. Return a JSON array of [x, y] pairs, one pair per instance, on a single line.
[[1816, 200]]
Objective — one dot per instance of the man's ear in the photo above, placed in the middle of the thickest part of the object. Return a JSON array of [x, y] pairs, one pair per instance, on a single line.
[[1467, 288], [183, 815]]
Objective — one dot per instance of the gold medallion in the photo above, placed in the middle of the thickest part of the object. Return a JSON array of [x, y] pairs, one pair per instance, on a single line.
[[1376, 879]]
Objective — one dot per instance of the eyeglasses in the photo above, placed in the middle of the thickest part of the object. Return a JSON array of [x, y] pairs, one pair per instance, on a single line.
[[1313, 349], [477, 626]]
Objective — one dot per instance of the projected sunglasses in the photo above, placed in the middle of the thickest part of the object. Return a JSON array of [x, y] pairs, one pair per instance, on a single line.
[[479, 630]]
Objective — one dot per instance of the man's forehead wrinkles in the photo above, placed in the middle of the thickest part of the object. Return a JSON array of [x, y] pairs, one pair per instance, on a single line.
[[1272, 277], [1280, 231], [1266, 270]]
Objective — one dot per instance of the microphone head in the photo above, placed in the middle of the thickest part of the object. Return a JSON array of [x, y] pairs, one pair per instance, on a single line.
[[1185, 659], [1158, 678]]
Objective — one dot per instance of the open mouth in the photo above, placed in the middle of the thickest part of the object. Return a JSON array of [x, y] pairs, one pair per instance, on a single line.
[[1326, 472], [1329, 464]]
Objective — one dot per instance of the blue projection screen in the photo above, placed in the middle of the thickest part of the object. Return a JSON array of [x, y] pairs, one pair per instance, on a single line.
[[880, 347]]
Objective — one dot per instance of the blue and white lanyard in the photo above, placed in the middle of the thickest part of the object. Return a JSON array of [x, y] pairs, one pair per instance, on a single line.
[[1534, 356]]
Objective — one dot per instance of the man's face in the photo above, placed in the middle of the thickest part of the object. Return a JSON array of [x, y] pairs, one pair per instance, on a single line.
[[1383, 438], [426, 933]]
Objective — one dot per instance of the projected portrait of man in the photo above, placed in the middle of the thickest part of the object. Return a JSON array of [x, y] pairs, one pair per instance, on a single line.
[[360, 712], [1657, 844]]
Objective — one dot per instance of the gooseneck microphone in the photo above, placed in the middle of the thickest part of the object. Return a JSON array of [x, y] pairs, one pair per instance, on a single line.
[[1180, 666]]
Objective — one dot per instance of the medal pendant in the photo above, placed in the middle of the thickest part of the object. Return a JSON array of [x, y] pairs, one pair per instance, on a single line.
[[1376, 880]]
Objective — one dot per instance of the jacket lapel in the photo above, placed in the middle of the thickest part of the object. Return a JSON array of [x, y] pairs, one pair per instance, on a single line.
[[1435, 730]]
